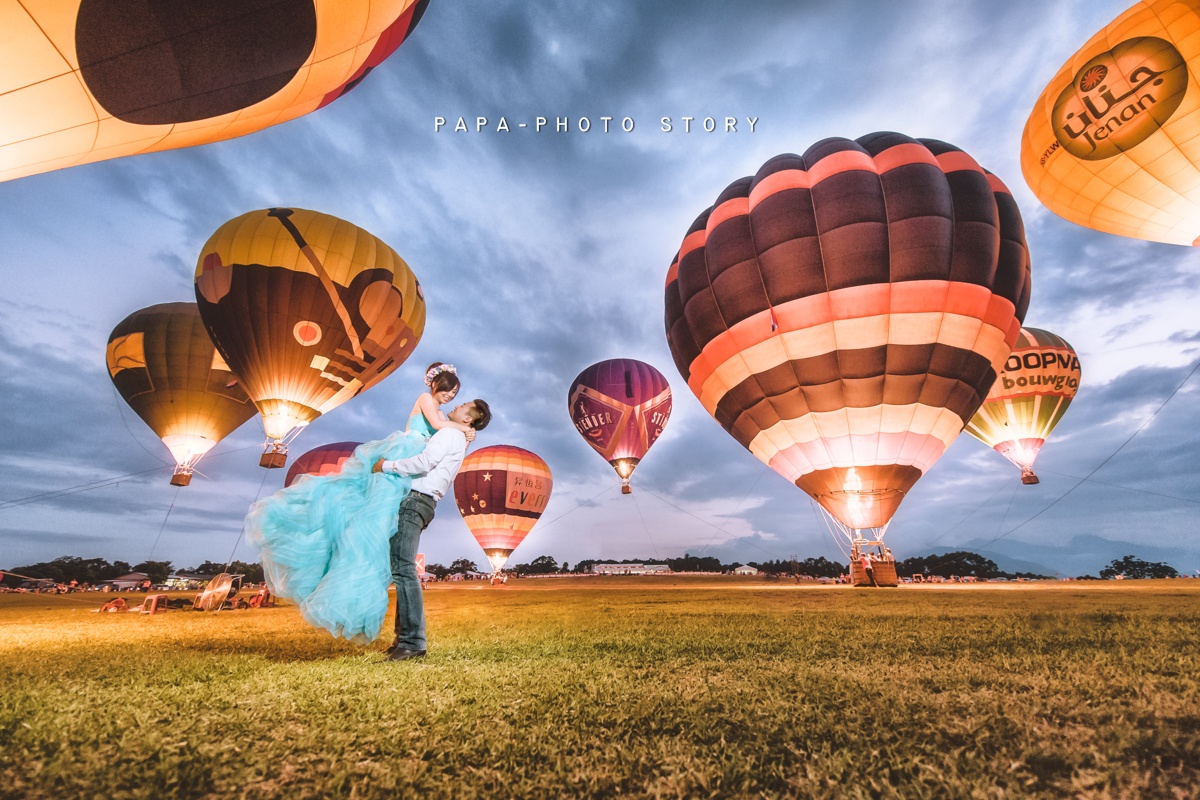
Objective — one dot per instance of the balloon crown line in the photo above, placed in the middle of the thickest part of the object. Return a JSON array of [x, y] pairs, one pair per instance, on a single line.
[[438, 369]]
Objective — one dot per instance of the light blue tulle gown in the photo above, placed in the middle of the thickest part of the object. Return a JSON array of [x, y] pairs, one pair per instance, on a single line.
[[325, 540]]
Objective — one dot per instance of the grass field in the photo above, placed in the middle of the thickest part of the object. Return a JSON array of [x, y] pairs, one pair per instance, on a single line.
[[650, 687]]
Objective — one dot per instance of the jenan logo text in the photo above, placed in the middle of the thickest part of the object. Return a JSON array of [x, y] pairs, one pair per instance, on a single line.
[[1118, 99]]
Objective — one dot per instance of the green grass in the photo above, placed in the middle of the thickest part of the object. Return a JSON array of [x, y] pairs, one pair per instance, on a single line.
[[619, 687]]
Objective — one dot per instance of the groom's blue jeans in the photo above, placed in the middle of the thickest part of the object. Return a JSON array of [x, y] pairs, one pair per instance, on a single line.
[[416, 512]]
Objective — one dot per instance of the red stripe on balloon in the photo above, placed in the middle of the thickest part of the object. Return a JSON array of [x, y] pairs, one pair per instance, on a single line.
[[692, 242], [902, 155], [958, 161], [997, 185], [843, 161], [735, 207]]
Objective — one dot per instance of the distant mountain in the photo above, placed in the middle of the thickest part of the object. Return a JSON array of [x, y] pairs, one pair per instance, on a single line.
[[1005, 562], [1083, 555]]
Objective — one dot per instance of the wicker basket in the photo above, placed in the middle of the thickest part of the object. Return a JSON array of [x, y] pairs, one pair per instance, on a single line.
[[885, 574]]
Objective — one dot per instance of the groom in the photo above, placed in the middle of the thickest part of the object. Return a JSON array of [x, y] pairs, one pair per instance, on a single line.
[[435, 468]]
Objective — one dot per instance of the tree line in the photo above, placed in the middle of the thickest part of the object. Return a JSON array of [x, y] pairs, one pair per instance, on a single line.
[[65, 569], [961, 563]]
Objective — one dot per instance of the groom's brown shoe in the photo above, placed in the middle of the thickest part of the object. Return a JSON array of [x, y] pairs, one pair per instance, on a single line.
[[403, 654]]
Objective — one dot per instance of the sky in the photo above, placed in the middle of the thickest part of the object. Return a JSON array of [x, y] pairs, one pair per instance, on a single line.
[[542, 252]]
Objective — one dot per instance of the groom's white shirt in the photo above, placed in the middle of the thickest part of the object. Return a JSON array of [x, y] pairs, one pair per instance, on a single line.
[[436, 465]]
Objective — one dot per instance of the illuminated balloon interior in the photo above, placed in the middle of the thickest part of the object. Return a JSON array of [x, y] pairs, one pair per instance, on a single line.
[[165, 366], [1028, 399], [501, 492], [309, 311], [620, 408]]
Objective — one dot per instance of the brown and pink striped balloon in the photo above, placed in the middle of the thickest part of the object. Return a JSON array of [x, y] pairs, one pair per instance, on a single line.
[[844, 312]]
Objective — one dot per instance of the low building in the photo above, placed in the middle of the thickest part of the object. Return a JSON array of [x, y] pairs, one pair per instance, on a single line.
[[745, 569], [134, 580], [618, 569], [630, 569]]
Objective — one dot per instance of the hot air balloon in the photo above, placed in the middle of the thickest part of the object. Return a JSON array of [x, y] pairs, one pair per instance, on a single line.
[[324, 460], [620, 406], [843, 313], [165, 366], [501, 491], [89, 80], [308, 310], [1031, 395], [1113, 142]]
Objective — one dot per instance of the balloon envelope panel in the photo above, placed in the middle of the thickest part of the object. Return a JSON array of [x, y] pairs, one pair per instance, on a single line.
[[166, 368], [1034, 390], [324, 460], [501, 492], [1113, 142], [844, 312], [88, 80], [308, 309]]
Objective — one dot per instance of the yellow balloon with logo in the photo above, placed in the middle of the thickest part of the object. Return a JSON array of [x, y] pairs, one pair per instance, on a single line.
[[1039, 380], [1113, 142]]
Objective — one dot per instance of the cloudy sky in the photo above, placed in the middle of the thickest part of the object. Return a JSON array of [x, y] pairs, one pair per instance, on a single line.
[[543, 252]]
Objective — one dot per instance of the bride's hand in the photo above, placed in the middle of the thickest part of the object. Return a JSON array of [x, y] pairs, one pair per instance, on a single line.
[[470, 434]]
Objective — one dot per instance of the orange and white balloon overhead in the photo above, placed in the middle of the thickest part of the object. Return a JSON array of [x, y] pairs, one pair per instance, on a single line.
[[90, 80], [1113, 142]]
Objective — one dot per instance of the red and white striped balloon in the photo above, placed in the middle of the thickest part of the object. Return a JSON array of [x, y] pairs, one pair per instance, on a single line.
[[324, 460], [501, 492]]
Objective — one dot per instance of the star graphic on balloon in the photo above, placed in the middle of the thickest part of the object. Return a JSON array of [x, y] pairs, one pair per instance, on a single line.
[[487, 476]]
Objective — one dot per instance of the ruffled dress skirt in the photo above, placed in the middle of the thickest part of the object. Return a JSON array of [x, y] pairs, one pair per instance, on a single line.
[[326, 539]]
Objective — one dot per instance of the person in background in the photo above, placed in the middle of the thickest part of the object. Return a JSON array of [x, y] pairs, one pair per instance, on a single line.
[[864, 561]]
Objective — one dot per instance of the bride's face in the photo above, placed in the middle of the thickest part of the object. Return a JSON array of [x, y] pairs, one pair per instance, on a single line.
[[444, 397]]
